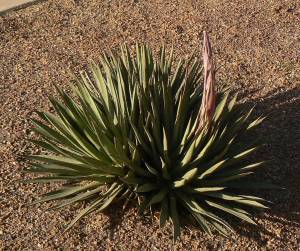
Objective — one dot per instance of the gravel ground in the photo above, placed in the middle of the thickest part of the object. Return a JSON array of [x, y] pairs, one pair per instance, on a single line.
[[257, 46]]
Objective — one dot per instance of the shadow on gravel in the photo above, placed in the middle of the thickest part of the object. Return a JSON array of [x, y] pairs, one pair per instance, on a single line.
[[281, 133]]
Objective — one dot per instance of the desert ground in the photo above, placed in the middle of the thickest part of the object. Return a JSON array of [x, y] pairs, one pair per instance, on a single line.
[[256, 45]]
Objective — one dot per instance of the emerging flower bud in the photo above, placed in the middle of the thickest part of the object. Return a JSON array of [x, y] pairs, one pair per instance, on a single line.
[[208, 104]]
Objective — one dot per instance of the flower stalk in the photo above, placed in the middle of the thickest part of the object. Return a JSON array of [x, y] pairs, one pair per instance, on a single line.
[[208, 104]]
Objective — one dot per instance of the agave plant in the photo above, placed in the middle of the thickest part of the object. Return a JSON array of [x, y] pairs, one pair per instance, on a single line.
[[146, 129]]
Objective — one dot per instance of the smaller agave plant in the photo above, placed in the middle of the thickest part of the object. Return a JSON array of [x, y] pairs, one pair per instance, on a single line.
[[147, 130]]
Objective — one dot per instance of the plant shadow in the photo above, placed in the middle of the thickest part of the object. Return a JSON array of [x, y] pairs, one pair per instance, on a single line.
[[281, 134]]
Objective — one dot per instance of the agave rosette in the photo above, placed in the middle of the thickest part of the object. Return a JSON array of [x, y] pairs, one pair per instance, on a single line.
[[133, 132]]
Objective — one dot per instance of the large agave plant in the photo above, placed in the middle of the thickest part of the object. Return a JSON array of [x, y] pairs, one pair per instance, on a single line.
[[147, 129]]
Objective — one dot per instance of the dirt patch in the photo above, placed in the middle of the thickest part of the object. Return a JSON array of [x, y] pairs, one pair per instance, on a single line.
[[257, 45]]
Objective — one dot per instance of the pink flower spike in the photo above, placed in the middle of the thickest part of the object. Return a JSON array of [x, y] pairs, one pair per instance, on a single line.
[[208, 104]]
